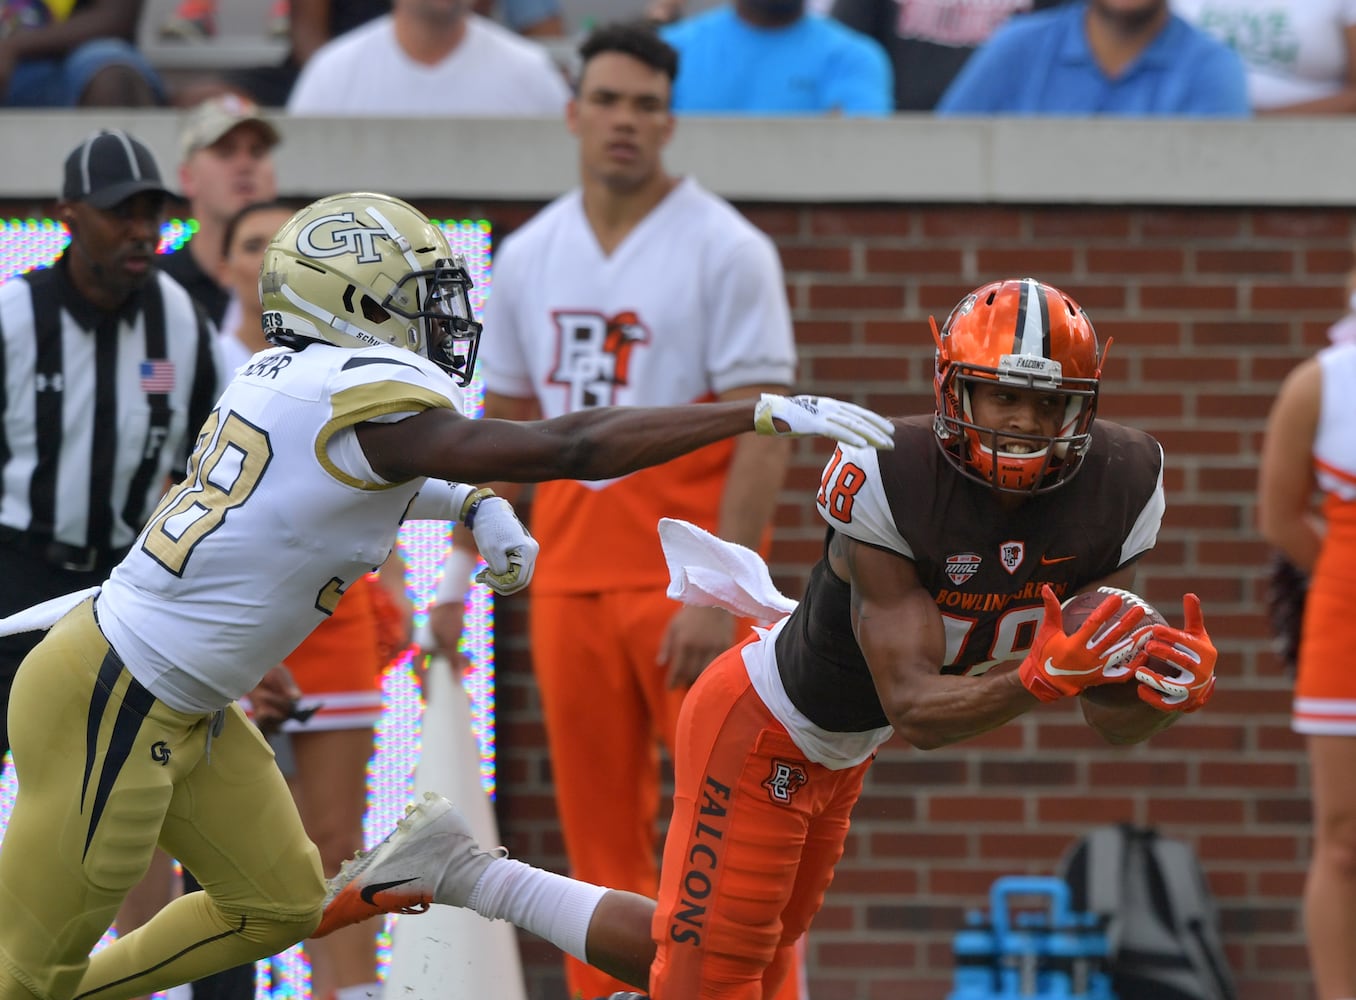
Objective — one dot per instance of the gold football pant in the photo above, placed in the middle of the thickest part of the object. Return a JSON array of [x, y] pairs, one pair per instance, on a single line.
[[105, 773]]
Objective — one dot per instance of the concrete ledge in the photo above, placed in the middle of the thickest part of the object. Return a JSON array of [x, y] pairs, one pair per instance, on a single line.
[[220, 54], [906, 159]]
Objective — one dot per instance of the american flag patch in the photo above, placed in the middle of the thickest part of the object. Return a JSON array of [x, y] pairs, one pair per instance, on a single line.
[[157, 376]]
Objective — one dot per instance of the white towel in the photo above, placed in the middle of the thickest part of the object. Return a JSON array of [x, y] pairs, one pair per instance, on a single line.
[[710, 572], [43, 616]]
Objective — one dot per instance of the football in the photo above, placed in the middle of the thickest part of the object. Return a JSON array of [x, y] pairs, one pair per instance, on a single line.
[[1077, 608], [1076, 611]]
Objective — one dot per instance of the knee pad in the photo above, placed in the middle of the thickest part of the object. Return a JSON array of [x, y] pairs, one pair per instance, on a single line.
[[272, 929], [296, 901]]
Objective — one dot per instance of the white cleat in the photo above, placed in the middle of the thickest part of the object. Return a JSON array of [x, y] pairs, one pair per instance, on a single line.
[[430, 857]]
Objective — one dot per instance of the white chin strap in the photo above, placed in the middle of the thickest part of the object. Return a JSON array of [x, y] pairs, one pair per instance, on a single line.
[[326, 317], [397, 238]]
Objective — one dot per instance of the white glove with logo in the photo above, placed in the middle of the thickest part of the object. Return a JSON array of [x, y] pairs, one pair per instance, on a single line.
[[799, 416], [510, 553]]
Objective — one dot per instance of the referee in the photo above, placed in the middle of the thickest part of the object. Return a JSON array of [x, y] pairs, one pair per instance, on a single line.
[[106, 373]]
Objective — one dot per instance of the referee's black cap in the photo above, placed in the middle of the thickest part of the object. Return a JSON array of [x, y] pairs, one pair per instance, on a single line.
[[109, 167]]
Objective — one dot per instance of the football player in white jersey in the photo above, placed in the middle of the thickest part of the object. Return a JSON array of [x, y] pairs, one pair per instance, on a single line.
[[124, 722]]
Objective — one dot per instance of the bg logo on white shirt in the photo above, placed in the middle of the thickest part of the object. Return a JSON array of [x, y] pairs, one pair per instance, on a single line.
[[593, 354]]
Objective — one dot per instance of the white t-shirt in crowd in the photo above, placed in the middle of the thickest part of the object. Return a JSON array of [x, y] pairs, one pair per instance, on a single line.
[[1294, 50], [492, 72]]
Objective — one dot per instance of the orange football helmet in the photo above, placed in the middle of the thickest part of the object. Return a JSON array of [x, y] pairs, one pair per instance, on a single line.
[[1028, 335]]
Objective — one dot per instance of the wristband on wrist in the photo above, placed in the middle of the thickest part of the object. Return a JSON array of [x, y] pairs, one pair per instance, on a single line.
[[458, 498], [456, 581], [468, 509]]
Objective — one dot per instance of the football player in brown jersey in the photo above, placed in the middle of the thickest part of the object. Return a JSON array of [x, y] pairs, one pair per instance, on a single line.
[[934, 614]]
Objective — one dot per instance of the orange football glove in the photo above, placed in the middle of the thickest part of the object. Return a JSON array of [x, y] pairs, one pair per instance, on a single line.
[[1176, 667], [1060, 665]]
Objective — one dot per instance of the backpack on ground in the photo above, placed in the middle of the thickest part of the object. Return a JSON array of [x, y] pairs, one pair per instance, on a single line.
[[1162, 927]]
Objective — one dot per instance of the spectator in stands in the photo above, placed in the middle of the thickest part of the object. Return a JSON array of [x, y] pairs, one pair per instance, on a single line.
[[929, 40], [68, 53], [430, 57], [226, 162], [196, 21], [1300, 57], [1119, 57], [243, 242], [533, 18], [772, 57], [311, 23]]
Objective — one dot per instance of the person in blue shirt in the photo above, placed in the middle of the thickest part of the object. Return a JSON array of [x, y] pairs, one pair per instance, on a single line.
[[1117, 57], [769, 57]]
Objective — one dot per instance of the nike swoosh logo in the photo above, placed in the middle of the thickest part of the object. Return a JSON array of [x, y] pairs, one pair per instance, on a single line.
[[1047, 561], [370, 891], [1049, 668]]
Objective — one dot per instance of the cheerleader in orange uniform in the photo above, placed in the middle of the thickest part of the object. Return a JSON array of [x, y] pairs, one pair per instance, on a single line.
[[1310, 447]]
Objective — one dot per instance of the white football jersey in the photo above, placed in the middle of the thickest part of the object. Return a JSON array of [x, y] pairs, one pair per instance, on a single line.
[[278, 514], [690, 304]]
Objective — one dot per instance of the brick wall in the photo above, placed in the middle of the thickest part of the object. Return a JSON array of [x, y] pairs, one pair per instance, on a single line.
[[1209, 310]]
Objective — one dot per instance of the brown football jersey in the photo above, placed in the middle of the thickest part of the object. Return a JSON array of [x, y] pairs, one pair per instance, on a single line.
[[983, 564]]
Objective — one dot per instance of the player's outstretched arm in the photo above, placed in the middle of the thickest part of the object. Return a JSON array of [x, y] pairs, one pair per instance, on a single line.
[[599, 443]]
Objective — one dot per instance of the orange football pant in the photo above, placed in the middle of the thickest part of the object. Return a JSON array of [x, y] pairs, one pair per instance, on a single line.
[[756, 832], [607, 711]]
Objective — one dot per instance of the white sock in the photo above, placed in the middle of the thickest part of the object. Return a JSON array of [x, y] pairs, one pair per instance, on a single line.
[[551, 906], [362, 991]]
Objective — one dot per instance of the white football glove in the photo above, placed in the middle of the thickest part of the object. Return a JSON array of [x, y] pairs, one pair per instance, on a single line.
[[798, 416], [510, 553]]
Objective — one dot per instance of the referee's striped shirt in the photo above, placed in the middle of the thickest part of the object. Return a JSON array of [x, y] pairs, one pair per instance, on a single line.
[[96, 408]]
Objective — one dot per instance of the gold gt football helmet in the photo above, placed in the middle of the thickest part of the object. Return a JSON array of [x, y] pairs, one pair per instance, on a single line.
[[359, 269], [1028, 335]]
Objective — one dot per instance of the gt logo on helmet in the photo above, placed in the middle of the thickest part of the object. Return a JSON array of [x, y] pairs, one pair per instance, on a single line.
[[357, 240], [322, 279]]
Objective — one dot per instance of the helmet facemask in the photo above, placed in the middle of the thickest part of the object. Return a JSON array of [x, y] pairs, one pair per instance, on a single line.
[[974, 448], [438, 301], [978, 345]]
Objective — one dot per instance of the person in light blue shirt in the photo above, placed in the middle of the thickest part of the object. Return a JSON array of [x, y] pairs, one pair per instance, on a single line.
[[1116, 57], [769, 57]]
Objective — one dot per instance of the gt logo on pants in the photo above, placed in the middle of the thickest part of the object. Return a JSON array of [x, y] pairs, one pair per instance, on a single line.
[[160, 752]]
